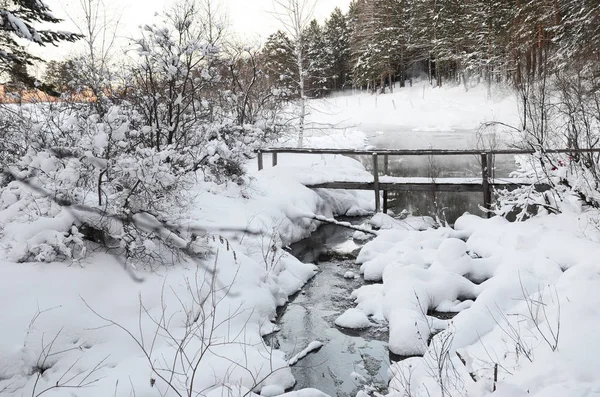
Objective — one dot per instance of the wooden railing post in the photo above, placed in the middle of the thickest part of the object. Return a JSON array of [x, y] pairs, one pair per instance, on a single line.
[[259, 156], [376, 182], [385, 192], [485, 177], [274, 159]]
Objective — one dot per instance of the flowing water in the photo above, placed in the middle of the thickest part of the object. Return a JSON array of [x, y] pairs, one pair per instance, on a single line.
[[349, 361]]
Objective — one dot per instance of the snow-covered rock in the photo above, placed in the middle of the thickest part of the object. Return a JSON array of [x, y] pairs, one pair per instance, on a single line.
[[354, 319]]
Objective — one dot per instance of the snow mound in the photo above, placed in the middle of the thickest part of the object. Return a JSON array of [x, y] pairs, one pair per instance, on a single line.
[[312, 346], [526, 300], [353, 318]]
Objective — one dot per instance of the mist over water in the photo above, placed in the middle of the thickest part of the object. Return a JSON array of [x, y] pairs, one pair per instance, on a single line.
[[448, 205]]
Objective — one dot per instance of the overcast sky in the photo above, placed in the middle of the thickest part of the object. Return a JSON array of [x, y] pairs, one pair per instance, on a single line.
[[250, 19]]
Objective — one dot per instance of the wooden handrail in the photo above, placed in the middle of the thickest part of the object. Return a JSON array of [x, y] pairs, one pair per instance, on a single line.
[[420, 152]]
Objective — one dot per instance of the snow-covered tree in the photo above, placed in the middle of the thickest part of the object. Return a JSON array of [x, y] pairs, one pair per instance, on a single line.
[[18, 20], [280, 64], [317, 62], [337, 47], [295, 16]]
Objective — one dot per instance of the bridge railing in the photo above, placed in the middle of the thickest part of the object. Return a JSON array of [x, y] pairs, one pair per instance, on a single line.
[[485, 162]]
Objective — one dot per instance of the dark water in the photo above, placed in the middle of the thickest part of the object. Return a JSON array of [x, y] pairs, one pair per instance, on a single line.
[[447, 205], [349, 361]]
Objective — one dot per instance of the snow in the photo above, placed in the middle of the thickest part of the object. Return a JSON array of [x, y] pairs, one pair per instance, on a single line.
[[19, 27], [312, 346], [415, 112], [525, 294], [79, 306], [354, 319], [272, 391]]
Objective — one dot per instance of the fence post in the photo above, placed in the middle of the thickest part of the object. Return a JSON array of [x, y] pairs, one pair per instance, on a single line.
[[259, 156], [274, 159], [376, 182], [385, 192], [485, 177]]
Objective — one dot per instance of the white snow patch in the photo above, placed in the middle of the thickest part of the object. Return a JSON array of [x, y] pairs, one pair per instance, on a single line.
[[353, 318], [312, 346]]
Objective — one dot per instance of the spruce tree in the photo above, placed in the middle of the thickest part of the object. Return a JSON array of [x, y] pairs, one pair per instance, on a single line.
[[316, 59], [279, 63], [17, 20], [337, 40]]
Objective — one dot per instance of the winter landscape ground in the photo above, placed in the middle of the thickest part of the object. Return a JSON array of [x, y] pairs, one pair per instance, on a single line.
[[525, 293], [144, 252]]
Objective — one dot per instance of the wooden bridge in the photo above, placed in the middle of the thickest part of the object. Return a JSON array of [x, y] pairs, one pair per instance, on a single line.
[[384, 183]]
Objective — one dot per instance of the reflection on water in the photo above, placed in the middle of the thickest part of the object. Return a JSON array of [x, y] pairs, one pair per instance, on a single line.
[[448, 204]]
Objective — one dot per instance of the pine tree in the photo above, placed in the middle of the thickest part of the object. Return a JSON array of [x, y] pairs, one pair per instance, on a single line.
[[279, 63], [509, 40], [17, 20], [365, 49], [578, 32], [317, 62], [337, 40], [61, 75]]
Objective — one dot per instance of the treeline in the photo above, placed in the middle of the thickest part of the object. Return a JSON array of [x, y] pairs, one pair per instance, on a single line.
[[378, 42]]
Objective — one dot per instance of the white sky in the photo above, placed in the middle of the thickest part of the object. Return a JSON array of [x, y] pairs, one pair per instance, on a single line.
[[250, 19]]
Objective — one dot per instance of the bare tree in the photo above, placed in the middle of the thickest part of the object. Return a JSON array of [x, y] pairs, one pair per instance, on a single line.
[[295, 16], [99, 27]]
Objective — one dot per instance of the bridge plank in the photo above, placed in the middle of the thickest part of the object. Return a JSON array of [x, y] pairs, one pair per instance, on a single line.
[[438, 186]]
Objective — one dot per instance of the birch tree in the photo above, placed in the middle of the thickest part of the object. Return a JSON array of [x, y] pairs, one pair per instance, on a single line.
[[295, 17]]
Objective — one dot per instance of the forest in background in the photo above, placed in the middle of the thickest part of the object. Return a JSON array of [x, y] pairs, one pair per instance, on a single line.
[[447, 41]]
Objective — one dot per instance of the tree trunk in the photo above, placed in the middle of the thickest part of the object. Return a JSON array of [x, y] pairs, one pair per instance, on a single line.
[[301, 83], [540, 51]]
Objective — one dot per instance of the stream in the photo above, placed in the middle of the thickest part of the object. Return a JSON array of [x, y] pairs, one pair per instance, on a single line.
[[350, 360], [358, 360]]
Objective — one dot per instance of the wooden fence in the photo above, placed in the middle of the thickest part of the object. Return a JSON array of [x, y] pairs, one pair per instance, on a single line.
[[485, 184]]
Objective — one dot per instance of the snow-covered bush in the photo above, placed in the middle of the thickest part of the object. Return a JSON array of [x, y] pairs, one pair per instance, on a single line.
[[104, 164], [559, 113], [180, 116]]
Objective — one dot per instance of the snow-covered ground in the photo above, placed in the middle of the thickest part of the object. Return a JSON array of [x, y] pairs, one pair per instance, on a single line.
[[526, 292], [96, 330], [526, 295], [412, 117]]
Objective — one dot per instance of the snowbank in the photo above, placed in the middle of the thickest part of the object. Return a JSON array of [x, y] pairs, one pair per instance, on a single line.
[[91, 326], [526, 295]]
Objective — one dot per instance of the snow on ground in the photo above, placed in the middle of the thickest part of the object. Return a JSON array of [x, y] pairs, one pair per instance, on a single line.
[[354, 319], [526, 295], [420, 108], [312, 346], [91, 327]]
